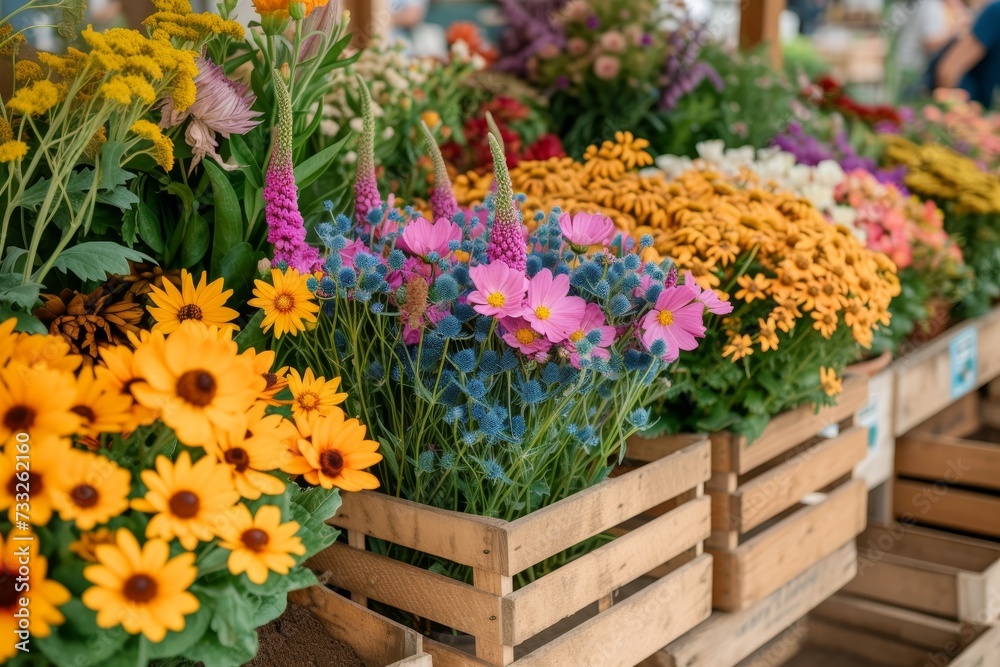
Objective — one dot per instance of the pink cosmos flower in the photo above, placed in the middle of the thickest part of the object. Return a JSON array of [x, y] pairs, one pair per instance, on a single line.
[[583, 230], [519, 335], [221, 106], [412, 266], [712, 302], [675, 320], [434, 315], [593, 320], [549, 309], [499, 291], [607, 67], [421, 237]]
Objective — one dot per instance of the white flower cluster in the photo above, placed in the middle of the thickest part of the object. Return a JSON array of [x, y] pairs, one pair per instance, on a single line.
[[773, 167]]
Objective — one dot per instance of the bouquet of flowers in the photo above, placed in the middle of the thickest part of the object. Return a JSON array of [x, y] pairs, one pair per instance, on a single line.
[[970, 199], [962, 125], [805, 295], [165, 497], [606, 66], [500, 370]]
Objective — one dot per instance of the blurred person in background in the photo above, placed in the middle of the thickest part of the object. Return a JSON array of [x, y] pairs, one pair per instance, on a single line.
[[810, 13], [972, 61], [924, 28]]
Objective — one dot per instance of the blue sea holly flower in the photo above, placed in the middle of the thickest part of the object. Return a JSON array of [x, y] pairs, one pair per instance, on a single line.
[[338, 242], [326, 232], [455, 414], [327, 205], [461, 274], [636, 360], [493, 470], [653, 292], [602, 289], [550, 374], [508, 361], [534, 265], [377, 307], [426, 461], [517, 427], [631, 262], [465, 361], [375, 371], [639, 418], [658, 348], [447, 461], [464, 312], [362, 296], [327, 285], [646, 241], [396, 259], [365, 261], [476, 389], [312, 284], [342, 224], [492, 423], [346, 277], [631, 281], [445, 288], [370, 282], [478, 411], [470, 438], [531, 392], [449, 327], [620, 305]]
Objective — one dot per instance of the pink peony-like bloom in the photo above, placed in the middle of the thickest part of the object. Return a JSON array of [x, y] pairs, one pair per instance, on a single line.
[[577, 46], [500, 290], [676, 320], [593, 320], [412, 267], [519, 334], [613, 41], [221, 106], [285, 227], [549, 308], [583, 230], [421, 237], [712, 302], [607, 67]]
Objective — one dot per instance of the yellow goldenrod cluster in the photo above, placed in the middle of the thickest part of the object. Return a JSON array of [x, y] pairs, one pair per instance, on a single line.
[[175, 19], [777, 249], [605, 182], [163, 147], [938, 172]]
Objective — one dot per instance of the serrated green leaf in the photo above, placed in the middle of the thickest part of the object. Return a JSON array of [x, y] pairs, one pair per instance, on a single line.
[[121, 198], [78, 181], [93, 260], [26, 323], [112, 174], [13, 292], [10, 262]]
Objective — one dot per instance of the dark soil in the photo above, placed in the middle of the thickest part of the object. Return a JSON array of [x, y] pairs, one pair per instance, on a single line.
[[298, 639]]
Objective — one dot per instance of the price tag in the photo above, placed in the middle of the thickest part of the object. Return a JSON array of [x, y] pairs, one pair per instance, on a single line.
[[867, 417], [964, 362]]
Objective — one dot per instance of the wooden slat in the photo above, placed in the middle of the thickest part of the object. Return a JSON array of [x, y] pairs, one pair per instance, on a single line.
[[648, 450], [983, 652], [464, 538], [910, 627], [957, 419], [779, 650], [759, 24], [495, 653], [570, 521], [374, 638], [446, 656], [912, 588], [927, 546], [412, 589], [572, 587], [938, 505], [419, 660], [635, 627], [989, 346], [765, 562], [771, 493], [733, 454], [948, 458], [874, 648], [725, 639]]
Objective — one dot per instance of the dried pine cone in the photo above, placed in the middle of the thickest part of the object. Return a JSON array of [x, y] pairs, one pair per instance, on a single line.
[[90, 321]]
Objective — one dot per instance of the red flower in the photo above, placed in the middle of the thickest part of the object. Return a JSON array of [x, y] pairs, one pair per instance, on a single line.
[[547, 146]]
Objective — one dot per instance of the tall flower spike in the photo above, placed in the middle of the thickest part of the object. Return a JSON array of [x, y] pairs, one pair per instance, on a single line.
[[366, 187], [443, 204], [507, 235], [285, 228]]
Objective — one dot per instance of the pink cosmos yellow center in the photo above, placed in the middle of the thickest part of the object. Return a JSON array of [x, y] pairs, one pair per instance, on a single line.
[[525, 336], [496, 299], [543, 312], [577, 336], [665, 317]]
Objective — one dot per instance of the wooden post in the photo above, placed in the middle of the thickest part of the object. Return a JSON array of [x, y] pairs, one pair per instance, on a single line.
[[759, 23], [369, 19], [499, 585]]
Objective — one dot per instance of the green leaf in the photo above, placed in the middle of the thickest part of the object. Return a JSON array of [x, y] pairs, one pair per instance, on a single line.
[[149, 227], [308, 171], [80, 642], [272, 607], [228, 216], [13, 292], [237, 269], [25, 322], [177, 643], [210, 651], [129, 228], [195, 242], [10, 262], [248, 163], [121, 197], [93, 260], [112, 174], [78, 181], [252, 335]]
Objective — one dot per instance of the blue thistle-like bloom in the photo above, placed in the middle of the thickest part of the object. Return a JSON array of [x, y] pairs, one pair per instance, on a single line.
[[483, 326], [620, 305], [447, 461], [490, 362], [646, 241], [572, 429], [551, 374], [630, 282], [534, 265], [653, 292], [452, 395], [332, 264], [326, 233], [395, 373], [426, 461], [375, 371], [491, 423], [327, 205], [454, 245], [465, 361], [455, 414], [396, 259], [362, 296], [433, 256], [639, 418], [584, 346], [464, 312], [342, 224], [471, 437], [371, 282], [531, 392], [539, 216], [517, 427], [594, 337], [476, 389], [347, 278], [478, 411], [602, 289], [327, 285], [493, 471], [631, 262], [449, 327], [658, 348], [377, 307], [312, 284], [445, 288], [508, 361], [461, 275], [637, 360], [365, 261]]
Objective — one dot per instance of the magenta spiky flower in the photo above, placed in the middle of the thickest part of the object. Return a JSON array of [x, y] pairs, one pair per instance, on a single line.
[[367, 197], [285, 228], [443, 203], [507, 235]]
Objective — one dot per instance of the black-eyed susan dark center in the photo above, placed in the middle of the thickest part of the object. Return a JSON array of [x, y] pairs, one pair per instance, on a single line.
[[8, 590], [184, 504], [140, 588], [255, 539], [271, 379], [34, 484], [189, 311], [84, 495], [19, 418], [197, 387], [238, 458], [331, 463], [85, 412]]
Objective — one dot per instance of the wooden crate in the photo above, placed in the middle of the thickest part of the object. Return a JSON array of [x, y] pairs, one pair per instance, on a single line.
[[377, 641], [500, 618], [727, 638], [785, 500], [929, 571], [882, 634], [945, 369], [946, 476], [876, 416]]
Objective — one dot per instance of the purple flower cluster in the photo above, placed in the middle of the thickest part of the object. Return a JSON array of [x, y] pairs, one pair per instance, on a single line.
[[530, 28], [683, 70]]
